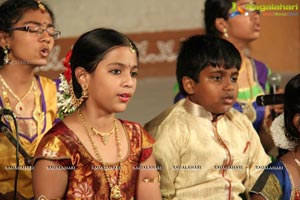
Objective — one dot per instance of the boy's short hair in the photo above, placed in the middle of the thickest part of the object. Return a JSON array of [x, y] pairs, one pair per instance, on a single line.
[[200, 51]]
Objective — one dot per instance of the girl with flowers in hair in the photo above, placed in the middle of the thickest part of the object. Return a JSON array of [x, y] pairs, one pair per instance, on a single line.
[[27, 35], [91, 154], [281, 179]]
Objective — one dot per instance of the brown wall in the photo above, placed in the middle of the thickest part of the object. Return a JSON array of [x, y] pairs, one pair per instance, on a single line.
[[279, 43]]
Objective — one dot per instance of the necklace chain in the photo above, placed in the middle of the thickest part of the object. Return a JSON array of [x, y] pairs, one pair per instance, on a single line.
[[105, 135], [19, 107], [14, 95], [38, 115], [115, 192]]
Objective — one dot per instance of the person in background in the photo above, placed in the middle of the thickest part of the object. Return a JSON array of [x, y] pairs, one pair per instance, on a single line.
[[281, 179], [241, 26], [206, 149], [91, 154], [27, 35], [235, 22]]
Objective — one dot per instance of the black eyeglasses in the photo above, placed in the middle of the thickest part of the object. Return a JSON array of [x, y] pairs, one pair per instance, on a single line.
[[50, 30]]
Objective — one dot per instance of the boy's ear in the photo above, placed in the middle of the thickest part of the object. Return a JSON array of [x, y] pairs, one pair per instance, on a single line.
[[296, 122], [221, 24], [188, 85], [82, 76]]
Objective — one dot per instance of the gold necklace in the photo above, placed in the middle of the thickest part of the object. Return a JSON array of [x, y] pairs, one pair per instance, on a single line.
[[115, 190], [19, 107], [38, 114], [105, 135]]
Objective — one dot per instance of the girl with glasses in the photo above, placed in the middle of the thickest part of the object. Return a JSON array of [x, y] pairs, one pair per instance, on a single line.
[[27, 35]]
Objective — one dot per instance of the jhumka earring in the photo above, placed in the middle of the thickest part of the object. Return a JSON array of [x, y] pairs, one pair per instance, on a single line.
[[6, 58], [84, 95], [225, 33]]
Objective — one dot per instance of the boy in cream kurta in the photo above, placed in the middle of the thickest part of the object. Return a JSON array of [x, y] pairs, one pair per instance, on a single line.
[[207, 149]]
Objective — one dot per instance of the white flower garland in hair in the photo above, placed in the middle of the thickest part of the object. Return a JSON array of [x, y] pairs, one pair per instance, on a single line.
[[64, 97], [65, 105], [279, 136]]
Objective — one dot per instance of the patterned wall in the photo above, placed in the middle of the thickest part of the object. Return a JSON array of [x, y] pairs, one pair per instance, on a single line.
[[158, 26]]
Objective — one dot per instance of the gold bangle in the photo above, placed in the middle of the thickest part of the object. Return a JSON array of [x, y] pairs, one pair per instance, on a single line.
[[43, 197], [152, 180]]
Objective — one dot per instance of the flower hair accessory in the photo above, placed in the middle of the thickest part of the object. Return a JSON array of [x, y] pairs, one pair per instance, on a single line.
[[279, 136], [68, 71], [65, 102]]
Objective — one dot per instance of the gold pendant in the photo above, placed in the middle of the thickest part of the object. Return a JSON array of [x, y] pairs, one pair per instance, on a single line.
[[104, 136], [249, 111], [105, 139], [115, 192], [20, 108]]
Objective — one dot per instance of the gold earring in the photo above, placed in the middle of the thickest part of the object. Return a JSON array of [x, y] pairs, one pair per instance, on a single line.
[[225, 33], [85, 92], [84, 95], [6, 58]]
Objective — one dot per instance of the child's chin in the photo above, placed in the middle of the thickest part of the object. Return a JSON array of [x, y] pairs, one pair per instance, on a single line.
[[120, 110]]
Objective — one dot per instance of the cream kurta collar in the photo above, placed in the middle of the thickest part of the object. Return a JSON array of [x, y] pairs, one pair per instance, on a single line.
[[198, 110]]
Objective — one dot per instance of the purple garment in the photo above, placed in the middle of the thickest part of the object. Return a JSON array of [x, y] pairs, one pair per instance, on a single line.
[[262, 73]]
